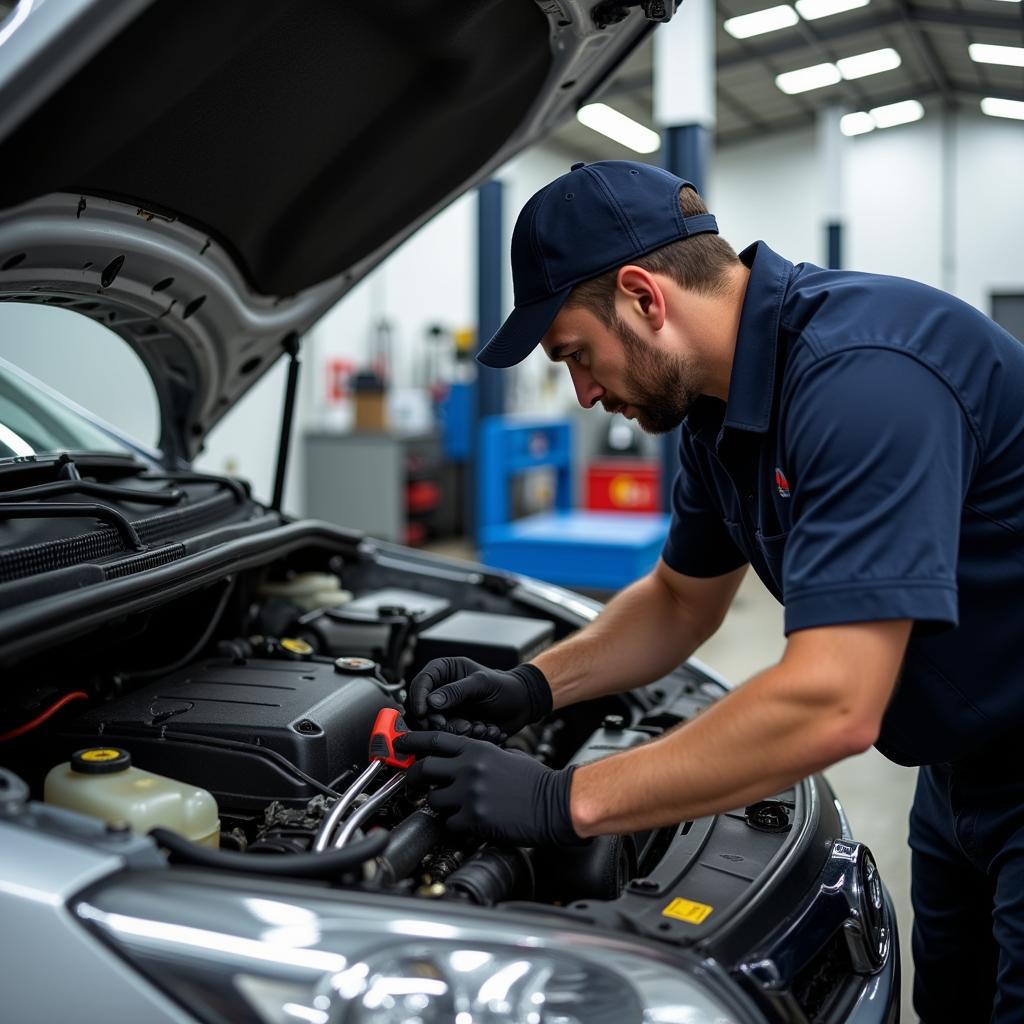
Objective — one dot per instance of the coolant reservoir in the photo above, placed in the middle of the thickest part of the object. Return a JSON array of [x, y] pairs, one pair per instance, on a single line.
[[102, 782]]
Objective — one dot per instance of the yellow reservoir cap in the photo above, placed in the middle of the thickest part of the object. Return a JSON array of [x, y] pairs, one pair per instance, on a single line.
[[101, 754], [100, 760]]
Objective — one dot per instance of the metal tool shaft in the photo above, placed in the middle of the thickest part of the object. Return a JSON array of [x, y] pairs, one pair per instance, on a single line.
[[367, 809], [345, 801]]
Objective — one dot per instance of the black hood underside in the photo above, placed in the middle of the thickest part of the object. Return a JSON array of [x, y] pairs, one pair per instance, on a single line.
[[301, 136]]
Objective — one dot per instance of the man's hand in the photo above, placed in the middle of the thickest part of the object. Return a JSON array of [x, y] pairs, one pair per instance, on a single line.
[[457, 695], [501, 795]]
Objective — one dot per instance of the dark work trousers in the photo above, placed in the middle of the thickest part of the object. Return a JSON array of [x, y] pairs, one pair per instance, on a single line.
[[967, 842]]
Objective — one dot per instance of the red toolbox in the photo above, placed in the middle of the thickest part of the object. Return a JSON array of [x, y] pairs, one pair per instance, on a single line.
[[624, 485]]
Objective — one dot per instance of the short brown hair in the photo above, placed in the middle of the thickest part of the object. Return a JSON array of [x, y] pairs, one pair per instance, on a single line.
[[698, 263]]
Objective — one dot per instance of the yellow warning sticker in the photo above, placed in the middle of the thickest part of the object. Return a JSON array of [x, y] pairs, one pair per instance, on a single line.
[[687, 910], [101, 754]]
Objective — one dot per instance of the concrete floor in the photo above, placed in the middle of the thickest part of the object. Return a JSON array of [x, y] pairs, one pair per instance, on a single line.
[[875, 793]]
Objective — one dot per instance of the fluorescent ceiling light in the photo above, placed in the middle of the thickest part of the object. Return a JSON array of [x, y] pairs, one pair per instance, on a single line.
[[811, 9], [893, 114], [616, 126], [995, 107], [802, 79], [869, 63], [856, 124], [759, 22], [988, 53]]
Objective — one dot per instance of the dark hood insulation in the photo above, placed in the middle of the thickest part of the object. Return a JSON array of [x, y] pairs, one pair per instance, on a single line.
[[301, 136]]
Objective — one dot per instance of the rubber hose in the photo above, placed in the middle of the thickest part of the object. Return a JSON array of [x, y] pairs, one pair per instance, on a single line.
[[328, 864], [410, 841], [493, 875]]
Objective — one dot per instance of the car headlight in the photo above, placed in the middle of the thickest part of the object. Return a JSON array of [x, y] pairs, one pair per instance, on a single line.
[[285, 954]]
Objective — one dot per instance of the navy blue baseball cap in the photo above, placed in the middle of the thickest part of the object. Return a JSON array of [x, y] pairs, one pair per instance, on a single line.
[[595, 218]]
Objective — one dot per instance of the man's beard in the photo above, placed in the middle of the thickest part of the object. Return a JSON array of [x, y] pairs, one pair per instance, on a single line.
[[661, 386]]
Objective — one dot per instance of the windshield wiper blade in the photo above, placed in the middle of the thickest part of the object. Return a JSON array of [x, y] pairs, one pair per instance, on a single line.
[[65, 467], [94, 490], [74, 510]]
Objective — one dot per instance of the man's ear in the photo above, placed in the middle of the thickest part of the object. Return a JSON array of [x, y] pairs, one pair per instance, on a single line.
[[643, 295]]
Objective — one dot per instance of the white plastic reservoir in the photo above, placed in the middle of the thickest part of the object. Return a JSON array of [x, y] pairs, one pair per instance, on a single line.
[[102, 782]]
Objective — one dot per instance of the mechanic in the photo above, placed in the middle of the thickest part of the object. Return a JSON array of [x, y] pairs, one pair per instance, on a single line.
[[859, 440]]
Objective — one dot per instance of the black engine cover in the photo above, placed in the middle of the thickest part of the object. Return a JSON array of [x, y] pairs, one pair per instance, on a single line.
[[306, 711]]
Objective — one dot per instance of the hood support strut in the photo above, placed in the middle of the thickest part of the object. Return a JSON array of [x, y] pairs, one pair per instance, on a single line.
[[291, 346]]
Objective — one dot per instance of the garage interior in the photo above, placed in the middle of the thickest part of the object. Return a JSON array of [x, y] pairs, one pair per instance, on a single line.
[[875, 135]]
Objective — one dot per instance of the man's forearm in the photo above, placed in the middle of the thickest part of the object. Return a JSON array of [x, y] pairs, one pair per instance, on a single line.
[[641, 635], [758, 740]]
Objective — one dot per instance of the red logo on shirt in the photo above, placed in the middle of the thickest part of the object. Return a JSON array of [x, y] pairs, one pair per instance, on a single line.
[[782, 483]]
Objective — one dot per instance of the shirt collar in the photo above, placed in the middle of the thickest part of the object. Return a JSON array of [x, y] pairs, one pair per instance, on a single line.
[[752, 383]]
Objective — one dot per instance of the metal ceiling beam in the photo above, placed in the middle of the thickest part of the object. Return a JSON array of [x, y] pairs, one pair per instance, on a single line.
[[1003, 92], [788, 43], [853, 89], [636, 84], [798, 99], [966, 19], [980, 70], [925, 51], [727, 99], [923, 90]]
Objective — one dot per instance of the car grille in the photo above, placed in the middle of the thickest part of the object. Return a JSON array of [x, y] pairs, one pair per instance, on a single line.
[[820, 980]]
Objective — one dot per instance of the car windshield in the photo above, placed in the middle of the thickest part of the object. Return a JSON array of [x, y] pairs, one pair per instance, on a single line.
[[36, 421]]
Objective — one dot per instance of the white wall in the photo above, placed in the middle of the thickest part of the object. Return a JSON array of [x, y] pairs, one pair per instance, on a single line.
[[990, 208], [893, 201], [769, 189]]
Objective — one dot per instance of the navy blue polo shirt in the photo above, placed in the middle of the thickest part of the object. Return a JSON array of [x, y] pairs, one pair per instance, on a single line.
[[869, 464]]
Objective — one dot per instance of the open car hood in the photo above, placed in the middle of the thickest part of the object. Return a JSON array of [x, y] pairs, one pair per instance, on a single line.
[[207, 179]]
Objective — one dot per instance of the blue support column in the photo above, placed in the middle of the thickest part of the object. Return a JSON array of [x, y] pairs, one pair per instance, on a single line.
[[489, 391], [686, 151], [831, 149], [684, 106], [835, 245], [489, 307]]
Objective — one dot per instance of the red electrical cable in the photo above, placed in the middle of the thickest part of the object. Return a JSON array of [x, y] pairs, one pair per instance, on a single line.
[[20, 730]]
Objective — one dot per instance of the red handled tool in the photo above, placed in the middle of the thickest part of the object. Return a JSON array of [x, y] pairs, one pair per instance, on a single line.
[[387, 727]]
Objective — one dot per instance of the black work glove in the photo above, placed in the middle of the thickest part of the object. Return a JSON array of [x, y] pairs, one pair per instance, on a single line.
[[500, 795], [460, 696]]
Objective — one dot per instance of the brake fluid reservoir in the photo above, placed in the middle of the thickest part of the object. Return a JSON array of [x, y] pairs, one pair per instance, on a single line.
[[102, 782]]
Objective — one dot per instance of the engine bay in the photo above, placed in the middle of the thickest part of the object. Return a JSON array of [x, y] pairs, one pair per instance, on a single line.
[[262, 691], [257, 690]]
